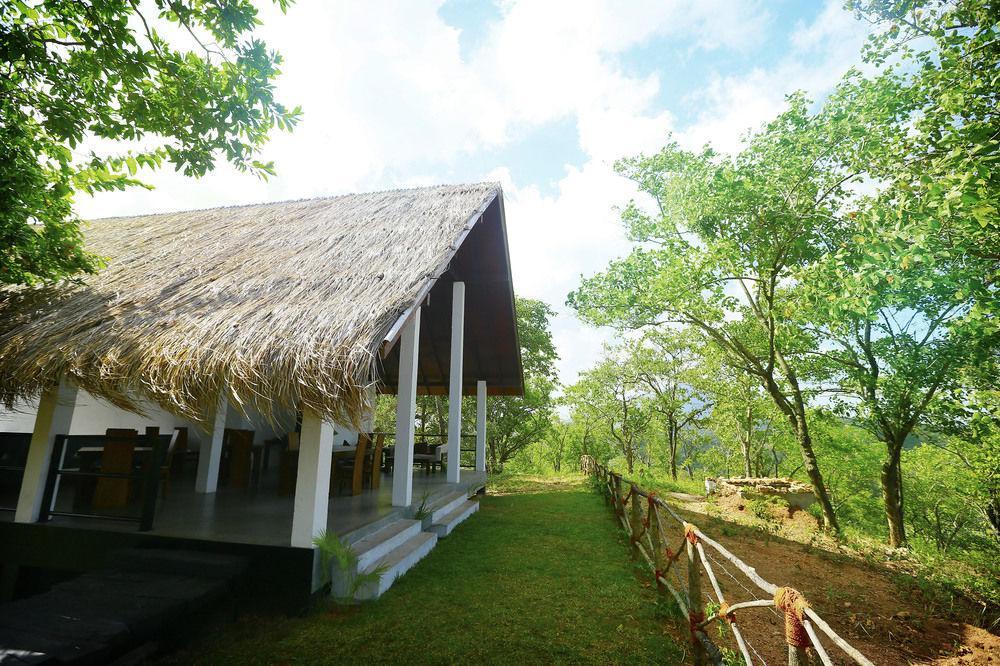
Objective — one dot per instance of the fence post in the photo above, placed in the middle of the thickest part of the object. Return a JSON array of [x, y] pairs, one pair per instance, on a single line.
[[790, 602], [797, 656], [635, 520], [656, 541], [696, 607]]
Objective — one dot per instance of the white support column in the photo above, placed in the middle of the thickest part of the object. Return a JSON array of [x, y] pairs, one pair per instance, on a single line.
[[406, 412], [55, 411], [207, 480], [480, 426], [312, 480], [455, 383]]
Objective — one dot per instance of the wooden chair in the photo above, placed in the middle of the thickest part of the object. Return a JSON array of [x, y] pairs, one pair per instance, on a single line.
[[375, 469], [117, 458], [240, 445], [288, 466], [353, 467]]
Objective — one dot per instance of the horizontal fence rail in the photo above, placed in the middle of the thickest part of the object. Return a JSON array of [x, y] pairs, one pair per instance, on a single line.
[[641, 514]]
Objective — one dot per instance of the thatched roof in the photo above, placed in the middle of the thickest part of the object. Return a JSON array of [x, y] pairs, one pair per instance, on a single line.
[[285, 304]]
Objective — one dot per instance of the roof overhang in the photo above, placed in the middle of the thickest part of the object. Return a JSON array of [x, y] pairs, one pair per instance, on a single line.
[[492, 352]]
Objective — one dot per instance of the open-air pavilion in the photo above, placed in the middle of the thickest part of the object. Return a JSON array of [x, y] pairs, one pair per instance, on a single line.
[[282, 320]]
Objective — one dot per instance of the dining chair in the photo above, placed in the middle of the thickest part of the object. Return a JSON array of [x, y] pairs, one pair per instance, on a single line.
[[353, 467], [240, 449], [117, 458], [375, 467]]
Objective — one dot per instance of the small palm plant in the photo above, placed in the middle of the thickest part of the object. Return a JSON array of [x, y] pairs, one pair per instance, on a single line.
[[334, 551], [423, 511]]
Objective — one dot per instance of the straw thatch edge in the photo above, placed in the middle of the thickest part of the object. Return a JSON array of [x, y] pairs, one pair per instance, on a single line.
[[339, 389]]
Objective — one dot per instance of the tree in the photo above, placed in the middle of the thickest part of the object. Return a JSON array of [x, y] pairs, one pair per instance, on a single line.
[[556, 444], [742, 413], [612, 393], [76, 72], [907, 297], [664, 363], [727, 238], [515, 422], [942, 192]]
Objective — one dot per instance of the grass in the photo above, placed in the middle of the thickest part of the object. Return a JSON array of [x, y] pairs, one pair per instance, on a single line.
[[540, 575]]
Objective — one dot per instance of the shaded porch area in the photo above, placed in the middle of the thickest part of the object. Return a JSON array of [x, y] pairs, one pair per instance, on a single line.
[[261, 515]]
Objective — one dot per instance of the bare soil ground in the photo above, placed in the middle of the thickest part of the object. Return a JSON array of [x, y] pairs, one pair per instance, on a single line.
[[871, 606]]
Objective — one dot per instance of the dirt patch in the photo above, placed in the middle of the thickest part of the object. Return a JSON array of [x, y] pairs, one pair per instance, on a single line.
[[872, 607]]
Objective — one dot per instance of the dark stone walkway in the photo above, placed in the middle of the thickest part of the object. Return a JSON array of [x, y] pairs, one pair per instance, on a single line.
[[102, 615]]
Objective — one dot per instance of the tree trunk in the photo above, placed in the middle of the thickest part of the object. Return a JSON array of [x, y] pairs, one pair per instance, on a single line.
[[672, 442], [745, 443], [892, 492], [747, 466], [812, 471]]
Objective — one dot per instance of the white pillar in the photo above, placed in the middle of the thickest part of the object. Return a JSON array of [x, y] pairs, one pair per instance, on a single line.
[[455, 383], [312, 480], [55, 411], [480, 426], [406, 412], [207, 480]]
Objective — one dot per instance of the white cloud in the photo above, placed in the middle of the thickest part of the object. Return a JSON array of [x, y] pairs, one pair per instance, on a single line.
[[821, 52]]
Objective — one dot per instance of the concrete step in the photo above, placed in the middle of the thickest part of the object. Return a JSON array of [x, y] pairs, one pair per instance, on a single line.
[[396, 563], [447, 505], [380, 543], [449, 522], [359, 533]]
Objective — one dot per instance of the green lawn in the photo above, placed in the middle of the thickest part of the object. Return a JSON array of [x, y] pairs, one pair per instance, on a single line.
[[540, 575]]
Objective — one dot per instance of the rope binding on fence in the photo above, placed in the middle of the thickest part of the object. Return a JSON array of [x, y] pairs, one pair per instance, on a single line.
[[651, 499], [691, 534], [789, 601], [726, 614], [695, 618]]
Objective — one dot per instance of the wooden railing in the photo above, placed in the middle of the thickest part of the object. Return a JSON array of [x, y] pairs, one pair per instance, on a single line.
[[643, 515]]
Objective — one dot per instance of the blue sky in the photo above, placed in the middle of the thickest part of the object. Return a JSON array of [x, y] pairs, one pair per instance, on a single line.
[[541, 96]]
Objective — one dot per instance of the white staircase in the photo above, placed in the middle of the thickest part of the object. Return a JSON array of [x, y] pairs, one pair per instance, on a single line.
[[393, 549], [395, 545], [450, 512]]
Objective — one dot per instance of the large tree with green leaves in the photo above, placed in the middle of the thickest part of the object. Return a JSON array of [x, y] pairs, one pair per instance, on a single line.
[[907, 297], [184, 82], [726, 239]]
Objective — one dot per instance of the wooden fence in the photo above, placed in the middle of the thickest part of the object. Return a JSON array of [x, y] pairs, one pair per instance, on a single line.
[[643, 515]]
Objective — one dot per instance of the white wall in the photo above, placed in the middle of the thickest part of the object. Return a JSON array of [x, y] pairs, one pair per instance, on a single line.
[[92, 417], [21, 419]]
